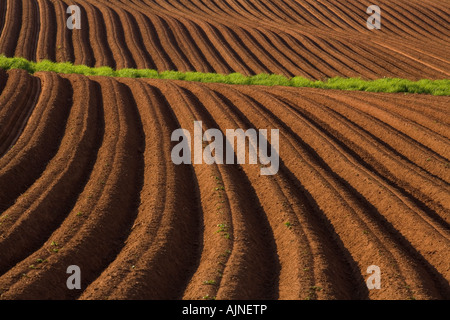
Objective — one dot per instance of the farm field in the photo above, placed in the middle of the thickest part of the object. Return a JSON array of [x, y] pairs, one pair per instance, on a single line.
[[87, 175], [314, 39]]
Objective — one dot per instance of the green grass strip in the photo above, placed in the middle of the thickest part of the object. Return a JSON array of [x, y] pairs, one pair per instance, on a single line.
[[425, 86]]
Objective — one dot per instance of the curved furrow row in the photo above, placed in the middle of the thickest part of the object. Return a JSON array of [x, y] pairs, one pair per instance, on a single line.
[[438, 15], [83, 52], [322, 59], [159, 37], [42, 207], [233, 36], [290, 57], [262, 13], [97, 26], [414, 111], [15, 106], [418, 134], [286, 64], [3, 80], [162, 59], [116, 38], [299, 249], [410, 54], [408, 65], [215, 200], [46, 46], [142, 57], [364, 41], [419, 114], [159, 58], [93, 232], [131, 37], [215, 60], [186, 43], [3, 11], [383, 60], [230, 55], [416, 21], [338, 18], [436, 229], [375, 205], [246, 242], [250, 250], [170, 44], [393, 22], [250, 61], [161, 249], [95, 185], [266, 51], [23, 164], [335, 200], [64, 41], [305, 59], [318, 18], [438, 108], [347, 66], [396, 135], [381, 156], [280, 12], [12, 27], [306, 14]]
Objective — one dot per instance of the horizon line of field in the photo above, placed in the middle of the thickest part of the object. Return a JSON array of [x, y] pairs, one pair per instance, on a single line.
[[439, 87]]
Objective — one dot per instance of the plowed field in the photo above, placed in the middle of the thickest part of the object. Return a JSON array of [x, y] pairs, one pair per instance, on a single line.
[[363, 181], [310, 38], [87, 179]]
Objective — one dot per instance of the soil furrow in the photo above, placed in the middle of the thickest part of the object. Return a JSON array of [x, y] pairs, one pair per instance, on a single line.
[[84, 54], [16, 107], [156, 260], [410, 236], [38, 143], [251, 251], [89, 174], [12, 27], [102, 215], [39, 210], [302, 267], [385, 225]]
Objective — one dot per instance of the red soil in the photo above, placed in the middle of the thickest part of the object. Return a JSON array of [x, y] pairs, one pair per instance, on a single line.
[[315, 39], [86, 176], [363, 180]]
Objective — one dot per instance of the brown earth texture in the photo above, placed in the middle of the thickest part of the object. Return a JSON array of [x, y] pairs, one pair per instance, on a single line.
[[87, 177]]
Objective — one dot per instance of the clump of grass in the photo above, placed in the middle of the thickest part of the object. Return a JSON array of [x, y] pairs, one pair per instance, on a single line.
[[394, 85], [226, 253], [312, 293], [223, 228], [54, 244]]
